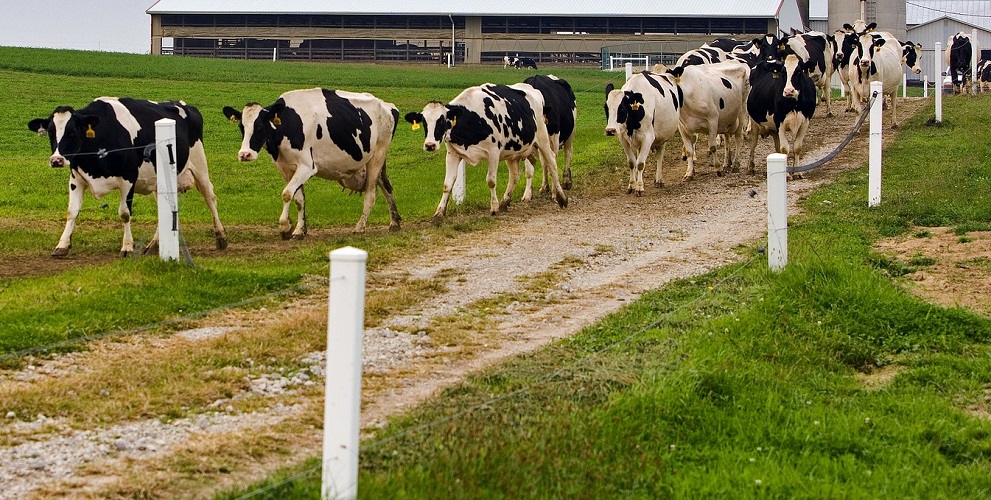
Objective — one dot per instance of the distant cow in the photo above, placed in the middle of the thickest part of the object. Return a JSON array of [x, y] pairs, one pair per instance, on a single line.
[[959, 52], [644, 115], [562, 112], [876, 57], [845, 40], [782, 99], [702, 55], [714, 103], [331, 134], [524, 62], [103, 146], [493, 123], [984, 74]]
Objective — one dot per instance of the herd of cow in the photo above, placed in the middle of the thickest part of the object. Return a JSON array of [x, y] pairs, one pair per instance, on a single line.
[[724, 88]]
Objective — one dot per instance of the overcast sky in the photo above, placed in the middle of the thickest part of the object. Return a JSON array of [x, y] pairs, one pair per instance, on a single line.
[[107, 25]]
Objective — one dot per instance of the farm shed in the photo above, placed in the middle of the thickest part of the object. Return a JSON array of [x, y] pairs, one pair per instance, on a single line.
[[479, 32], [931, 21]]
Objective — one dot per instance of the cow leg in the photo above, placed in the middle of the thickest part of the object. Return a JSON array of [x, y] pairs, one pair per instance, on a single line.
[[826, 95], [754, 137], [688, 144], [386, 186], [450, 175], [124, 210], [549, 159], [713, 144], [799, 141], [566, 177], [196, 165], [528, 168], [374, 169], [294, 191], [894, 113], [490, 179], [514, 176], [76, 191], [658, 178]]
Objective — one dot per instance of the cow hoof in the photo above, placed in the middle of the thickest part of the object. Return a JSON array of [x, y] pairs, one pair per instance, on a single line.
[[659, 184], [393, 228], [151, 249], [125, 253], [297, 237], [687, 178], [562, 201], [221, 243], [60, 252], [719, 173], [566, 185], [286, 235], [629, 190], [639, 194], [437, 219]]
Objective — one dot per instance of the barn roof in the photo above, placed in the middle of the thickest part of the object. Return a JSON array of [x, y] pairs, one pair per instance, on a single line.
[[972, 12], [570, 8]]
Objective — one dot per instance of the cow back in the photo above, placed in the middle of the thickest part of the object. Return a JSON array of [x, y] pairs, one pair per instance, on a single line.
[[561, 100]]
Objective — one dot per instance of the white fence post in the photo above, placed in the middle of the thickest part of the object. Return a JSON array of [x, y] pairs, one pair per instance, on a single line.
[[275, 53], [342, 397], [874, 165], [975, 56], [777, 211], [459, 187], [629, 70], [938, 88], [904, 85], [925, 85], [168, 198]]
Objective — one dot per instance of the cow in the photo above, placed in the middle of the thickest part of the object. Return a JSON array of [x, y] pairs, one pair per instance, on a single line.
[[104, 143], [524, 62], [912, 56], [756, 50], [332, 134], [644, 115], [714, 100], [561, 116], [876, 57], [702, 55], [845, 40], [508, 61], [959, 52], [493, 123], [816, 50], [984, 74], [782, 99]]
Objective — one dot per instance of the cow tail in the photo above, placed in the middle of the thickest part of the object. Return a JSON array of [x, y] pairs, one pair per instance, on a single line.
[[386, 183]]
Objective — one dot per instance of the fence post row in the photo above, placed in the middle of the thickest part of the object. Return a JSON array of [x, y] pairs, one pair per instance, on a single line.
[[168, 199], [874, 164], [777, 211], [342, 396]]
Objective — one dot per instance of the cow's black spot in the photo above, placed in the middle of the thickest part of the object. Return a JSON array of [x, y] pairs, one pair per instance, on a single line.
[[72, 186], [726, 83], [319, 131], [722, 104], [349, 127], [471, 129], [513, 145]]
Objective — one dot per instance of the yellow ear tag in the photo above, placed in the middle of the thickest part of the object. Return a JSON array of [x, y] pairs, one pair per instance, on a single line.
[[90, 133], [276, 121], [233, 119], [454, 122], [677, 80], [545, 119], [635, 106], [416, 125]]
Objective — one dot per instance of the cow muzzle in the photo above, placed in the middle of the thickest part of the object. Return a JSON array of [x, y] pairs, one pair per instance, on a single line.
[[790, 93], [58, 161], [610, 131], [430, 146], [247, 155]]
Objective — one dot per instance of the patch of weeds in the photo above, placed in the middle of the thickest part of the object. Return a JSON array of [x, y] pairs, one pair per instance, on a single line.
[[964, 239], [920, 260], [976, 262], [892, 267], [601, 248], [925, 233]]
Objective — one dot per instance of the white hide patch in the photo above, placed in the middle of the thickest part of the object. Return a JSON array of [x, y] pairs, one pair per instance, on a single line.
[[124, 117]]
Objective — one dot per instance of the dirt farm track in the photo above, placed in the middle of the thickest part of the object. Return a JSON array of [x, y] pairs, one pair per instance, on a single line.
[[619, 245]]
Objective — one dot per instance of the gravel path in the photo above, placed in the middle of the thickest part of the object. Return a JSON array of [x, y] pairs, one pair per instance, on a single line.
[[624, 246]]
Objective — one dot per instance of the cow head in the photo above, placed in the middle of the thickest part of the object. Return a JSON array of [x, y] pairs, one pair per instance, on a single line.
[[867, 45], [859, 27], [793, 68], [911, 56], [257, 124], [623, 108], [437, 119], [68, 132]]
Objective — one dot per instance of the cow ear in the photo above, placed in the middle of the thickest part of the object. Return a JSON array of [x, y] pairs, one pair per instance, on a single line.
[[871, 26], [275, 109], [454, 111], [232, 114], [609, 88], [39, 125], [89, 121], [848, 26], [413, 117], [879, 42]]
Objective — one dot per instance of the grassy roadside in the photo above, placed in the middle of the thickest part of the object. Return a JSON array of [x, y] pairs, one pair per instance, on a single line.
[[824, 380]]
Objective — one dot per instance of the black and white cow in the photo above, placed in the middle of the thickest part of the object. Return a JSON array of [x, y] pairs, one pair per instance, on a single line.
[[912, 56], [756, 50], [493, 123], [644, 115], [782, 99], [332, 134], [959, 53], [876, 57], [702, 55], [524, 62], [714, 103], [984, 74], [816, 50], [562, 113], [845, 40], [103, 146]]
